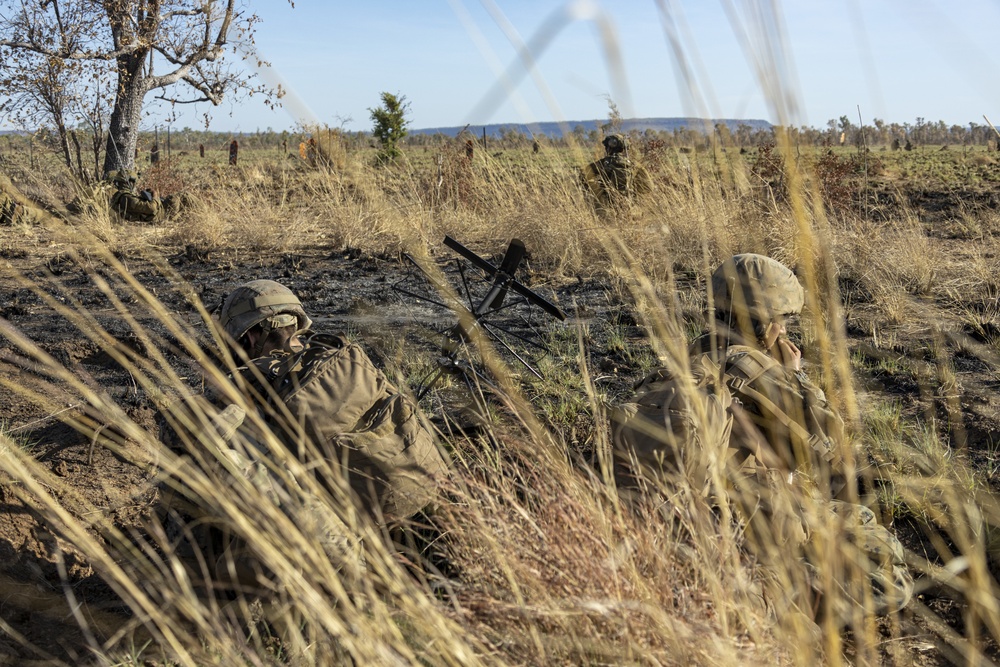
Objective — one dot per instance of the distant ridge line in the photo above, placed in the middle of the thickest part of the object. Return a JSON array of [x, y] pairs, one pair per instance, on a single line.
[[554, 130], [550, 129]]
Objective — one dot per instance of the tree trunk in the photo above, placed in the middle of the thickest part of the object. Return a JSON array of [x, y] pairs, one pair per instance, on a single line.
[[83, 175], [96, 138], [64, 142], [123, 129]]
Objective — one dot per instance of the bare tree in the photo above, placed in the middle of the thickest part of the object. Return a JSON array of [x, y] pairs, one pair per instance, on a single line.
[[38, 99], [61, 95], [187, 39], [93, 104]]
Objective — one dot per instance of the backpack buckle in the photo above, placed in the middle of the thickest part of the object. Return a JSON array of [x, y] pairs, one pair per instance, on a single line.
[[822, 446]]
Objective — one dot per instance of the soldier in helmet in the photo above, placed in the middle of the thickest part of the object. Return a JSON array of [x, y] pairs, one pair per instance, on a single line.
[[131, 203], [615, 179], [321, 401], [11, 211], [784, 444], [331, 393], [755, 300]]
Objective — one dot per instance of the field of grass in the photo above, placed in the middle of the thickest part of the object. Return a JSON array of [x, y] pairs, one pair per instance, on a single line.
[[529, 557]]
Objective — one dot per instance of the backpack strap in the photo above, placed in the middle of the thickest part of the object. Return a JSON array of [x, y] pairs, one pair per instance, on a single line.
[[751, 365]]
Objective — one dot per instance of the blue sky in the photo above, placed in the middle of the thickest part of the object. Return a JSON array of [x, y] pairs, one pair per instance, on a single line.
[[801, 62]]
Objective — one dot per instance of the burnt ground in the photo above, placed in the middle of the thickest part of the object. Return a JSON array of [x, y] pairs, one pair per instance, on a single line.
[[344, 290], [341, 290]]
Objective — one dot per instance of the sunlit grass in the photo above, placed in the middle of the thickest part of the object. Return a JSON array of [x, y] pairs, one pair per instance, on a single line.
[[530, 556]]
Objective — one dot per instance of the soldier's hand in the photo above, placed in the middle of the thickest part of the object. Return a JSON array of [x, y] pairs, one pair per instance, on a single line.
[[789, 355]]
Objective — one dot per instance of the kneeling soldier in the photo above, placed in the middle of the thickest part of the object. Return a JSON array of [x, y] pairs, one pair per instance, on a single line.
[[131, 203], [751, 408]]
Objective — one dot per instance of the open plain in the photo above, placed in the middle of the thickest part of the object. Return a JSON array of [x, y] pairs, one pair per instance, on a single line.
[[530, 559]]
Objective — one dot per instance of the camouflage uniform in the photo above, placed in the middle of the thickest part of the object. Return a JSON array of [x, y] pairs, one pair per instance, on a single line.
[[784, 455], [781, 419], [133, 204], [329, 407], [674, 428], [336, 404], [325, 398], [615, 179], [11, 212]]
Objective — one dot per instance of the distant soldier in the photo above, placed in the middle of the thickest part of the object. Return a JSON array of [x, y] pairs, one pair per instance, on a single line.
[[751, 408], [614, 180], [11, 212], [131, 203]]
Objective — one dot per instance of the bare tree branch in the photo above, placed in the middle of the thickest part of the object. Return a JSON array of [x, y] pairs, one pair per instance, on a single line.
[[178, 13], [68, 55], [174, 100], [220, 38], [131, 40]]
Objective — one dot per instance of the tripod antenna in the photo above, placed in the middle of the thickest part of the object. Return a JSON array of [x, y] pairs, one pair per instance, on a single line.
[[474, 317]]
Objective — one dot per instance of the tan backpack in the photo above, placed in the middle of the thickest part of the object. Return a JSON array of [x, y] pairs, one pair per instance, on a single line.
[[749, 413], [781, 417], [335, 398], [143, 207], [673, 429]]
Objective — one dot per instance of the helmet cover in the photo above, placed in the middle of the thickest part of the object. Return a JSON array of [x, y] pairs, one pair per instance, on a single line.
[[614, 143], [756, 286], [258, 300]]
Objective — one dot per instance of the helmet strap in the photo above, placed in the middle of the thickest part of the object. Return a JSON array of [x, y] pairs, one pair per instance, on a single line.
[[265, 333]]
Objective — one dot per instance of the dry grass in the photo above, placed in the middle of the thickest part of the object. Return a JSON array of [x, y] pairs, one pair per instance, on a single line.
[[536, 561]]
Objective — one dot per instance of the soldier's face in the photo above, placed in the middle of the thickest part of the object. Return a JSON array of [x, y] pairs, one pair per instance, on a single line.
[[291, 344]]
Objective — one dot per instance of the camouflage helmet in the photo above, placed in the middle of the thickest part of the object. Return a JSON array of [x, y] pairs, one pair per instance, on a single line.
[[261, 301], [757, 286], [614, 143], [123, 178]]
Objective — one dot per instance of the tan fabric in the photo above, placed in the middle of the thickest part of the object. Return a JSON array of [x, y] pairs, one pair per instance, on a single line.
[[334, 397], [784, 447], [755, 287], [330, 377], [780, 417], [673, 428], [134, 206], [406, 461], [256, 301], [880, 557], [200, 534]]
